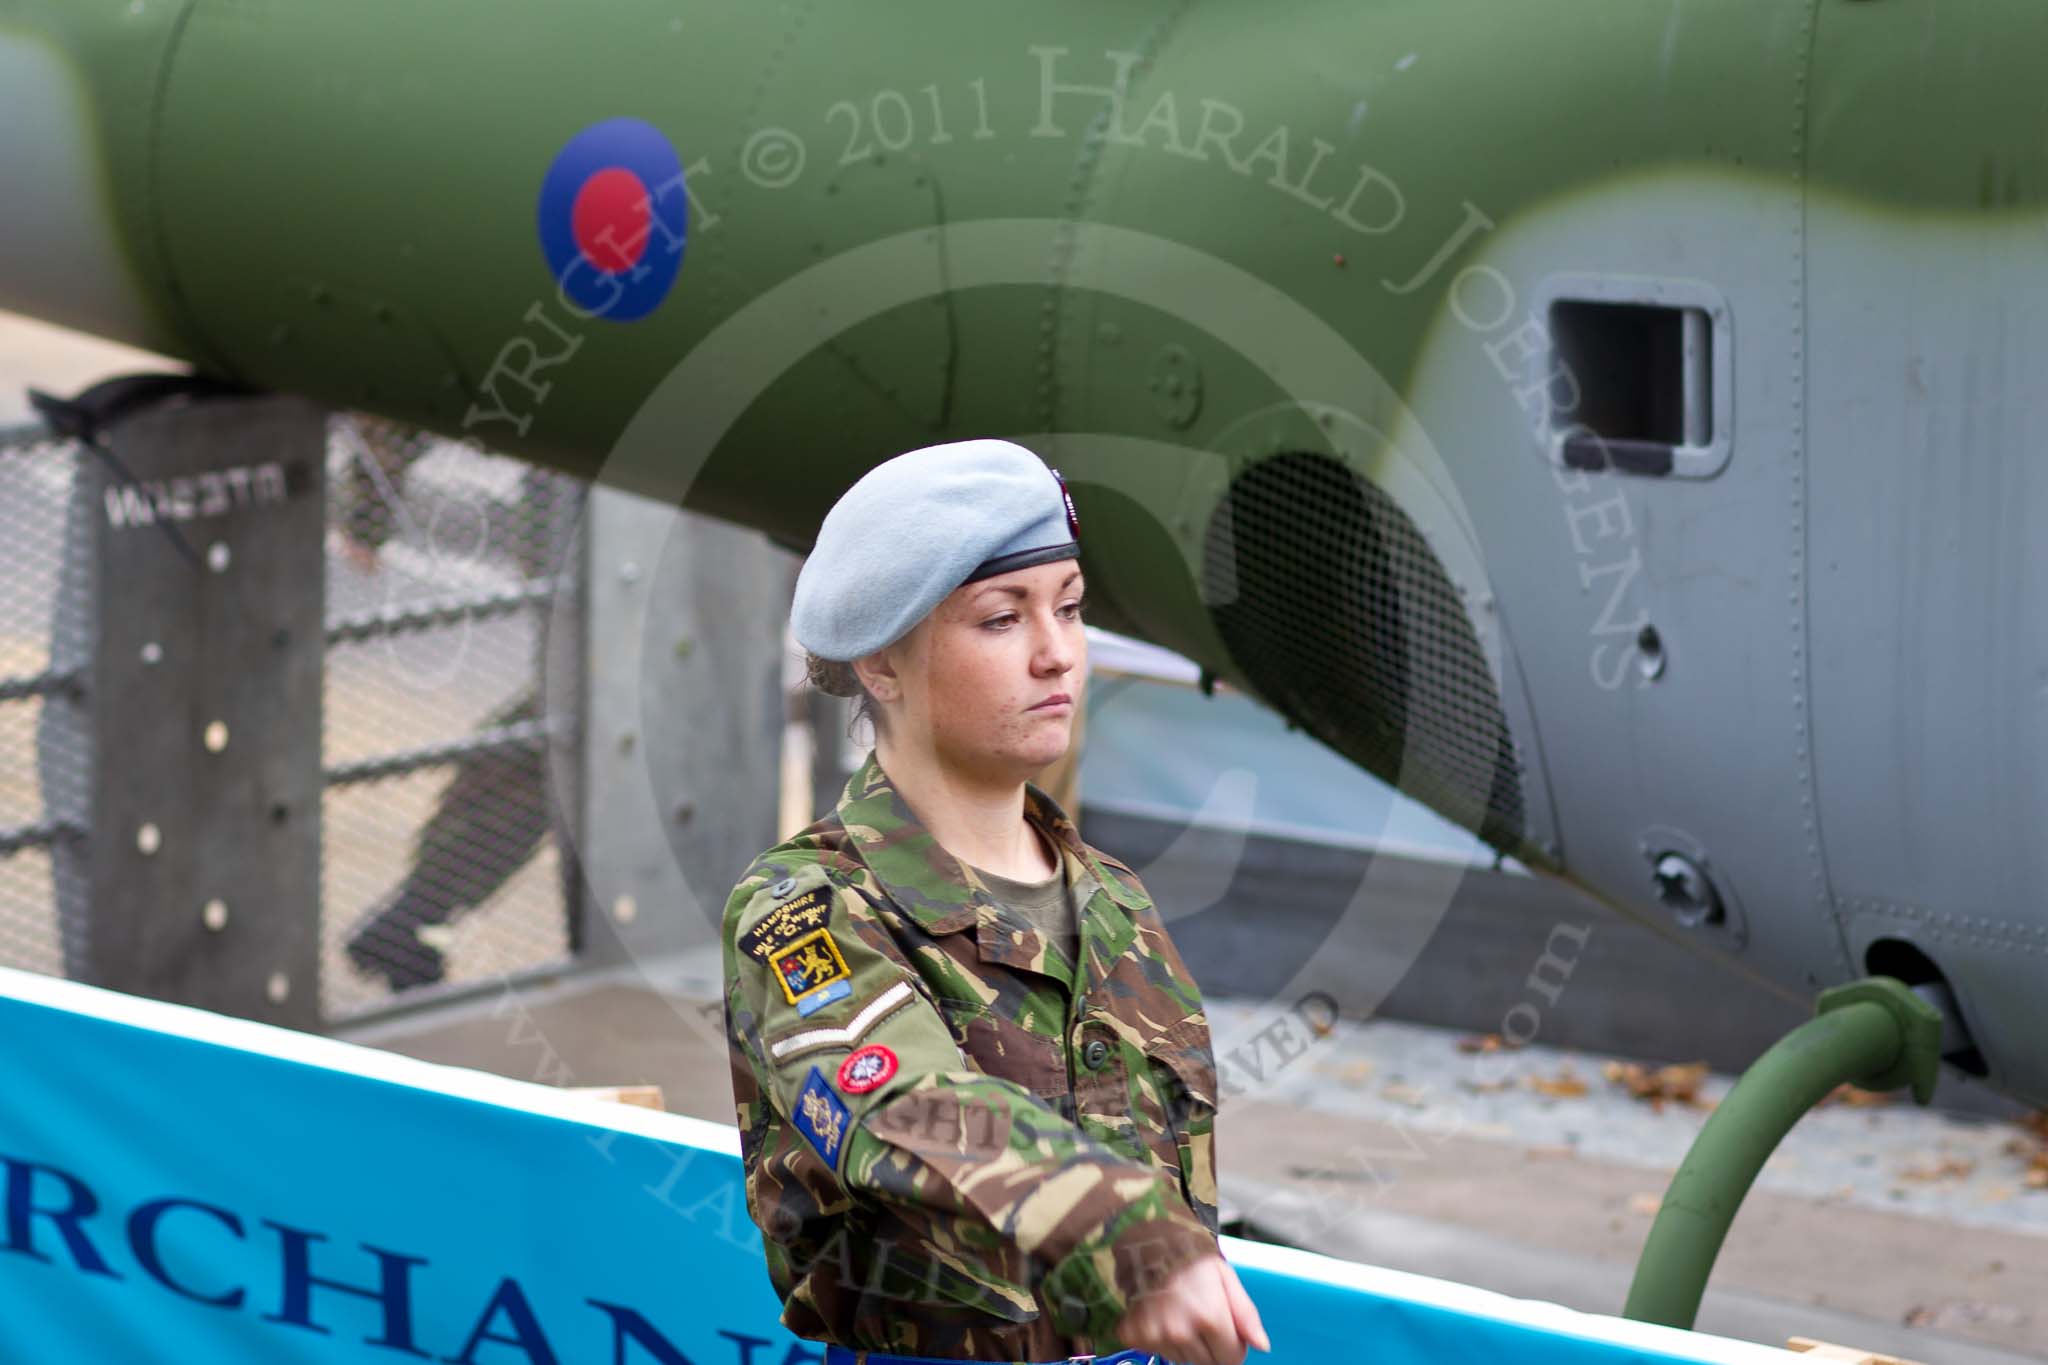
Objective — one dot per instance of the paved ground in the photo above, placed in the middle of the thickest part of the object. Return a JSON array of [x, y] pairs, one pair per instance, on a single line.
[[1891, 1158], [1424, 1157], [1384, 1142]]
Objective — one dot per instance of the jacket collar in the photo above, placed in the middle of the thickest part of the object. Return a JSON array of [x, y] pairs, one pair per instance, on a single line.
[[929, 884]]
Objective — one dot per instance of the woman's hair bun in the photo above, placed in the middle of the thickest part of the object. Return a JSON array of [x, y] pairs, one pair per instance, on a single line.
[[837, 679], [833, 677]]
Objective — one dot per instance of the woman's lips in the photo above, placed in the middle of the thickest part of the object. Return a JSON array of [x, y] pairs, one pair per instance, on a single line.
[[1056, 699]]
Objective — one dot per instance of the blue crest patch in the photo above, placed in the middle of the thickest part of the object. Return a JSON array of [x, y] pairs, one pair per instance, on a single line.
[[837, 990], [821, 1116]]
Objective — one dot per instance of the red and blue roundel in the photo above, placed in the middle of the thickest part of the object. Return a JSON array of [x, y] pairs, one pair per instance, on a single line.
[[612, 219]]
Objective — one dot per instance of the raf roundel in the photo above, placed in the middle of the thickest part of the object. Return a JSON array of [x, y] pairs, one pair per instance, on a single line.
[[613, 215], [865, 1068]]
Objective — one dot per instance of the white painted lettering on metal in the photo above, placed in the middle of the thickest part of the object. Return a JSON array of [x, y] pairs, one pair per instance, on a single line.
[[186, 497]]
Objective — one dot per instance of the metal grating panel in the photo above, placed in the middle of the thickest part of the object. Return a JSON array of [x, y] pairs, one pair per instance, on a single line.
[[43, 745], [1336, 609], [442, 563]]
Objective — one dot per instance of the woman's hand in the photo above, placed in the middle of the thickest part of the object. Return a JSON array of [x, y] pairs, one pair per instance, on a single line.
[[1200, 1316]]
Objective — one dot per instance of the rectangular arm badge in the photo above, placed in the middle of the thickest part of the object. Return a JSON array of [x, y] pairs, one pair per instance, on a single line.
[[809, 964], [821, 1117]]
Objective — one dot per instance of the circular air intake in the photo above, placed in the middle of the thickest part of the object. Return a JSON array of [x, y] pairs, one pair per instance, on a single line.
[[1336, 609]]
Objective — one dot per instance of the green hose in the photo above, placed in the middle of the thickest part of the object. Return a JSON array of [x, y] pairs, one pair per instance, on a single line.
[[1874, 1033]]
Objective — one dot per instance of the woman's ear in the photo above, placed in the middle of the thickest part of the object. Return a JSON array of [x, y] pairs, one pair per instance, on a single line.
[[877, 673]]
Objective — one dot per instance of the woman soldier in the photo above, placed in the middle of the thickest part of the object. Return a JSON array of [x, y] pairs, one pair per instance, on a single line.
[[974, 1080]]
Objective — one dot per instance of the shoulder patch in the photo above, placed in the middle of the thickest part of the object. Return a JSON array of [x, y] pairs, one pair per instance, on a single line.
[[821, 1117], [867, 1067], [808, 963], [786, 922]]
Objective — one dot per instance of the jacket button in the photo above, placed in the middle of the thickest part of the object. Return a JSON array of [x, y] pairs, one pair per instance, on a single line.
[[1094, 1054]]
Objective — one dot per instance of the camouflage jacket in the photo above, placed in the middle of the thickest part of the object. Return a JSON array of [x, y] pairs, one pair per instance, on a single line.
[[948, 1151]]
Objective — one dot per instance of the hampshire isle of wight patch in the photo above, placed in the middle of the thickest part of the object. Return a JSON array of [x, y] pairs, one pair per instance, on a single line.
[[808, 963], [786, 922]]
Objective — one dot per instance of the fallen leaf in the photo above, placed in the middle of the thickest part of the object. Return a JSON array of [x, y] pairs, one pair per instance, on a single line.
[[1564, 1085], [1680, 1082], [1965, 1313], [1856, 1097], [2032, 1149]]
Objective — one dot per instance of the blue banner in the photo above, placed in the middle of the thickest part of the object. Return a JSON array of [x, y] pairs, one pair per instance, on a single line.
[[180, 1186]]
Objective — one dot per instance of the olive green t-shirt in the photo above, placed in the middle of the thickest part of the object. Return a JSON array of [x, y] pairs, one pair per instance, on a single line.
[[1050, 906]]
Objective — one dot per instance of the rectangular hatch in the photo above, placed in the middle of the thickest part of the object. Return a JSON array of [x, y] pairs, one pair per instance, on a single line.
[[1636, 375]]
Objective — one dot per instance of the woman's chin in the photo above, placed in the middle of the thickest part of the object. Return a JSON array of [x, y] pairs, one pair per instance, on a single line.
[[1031, 759], [1023, 755], [1045, 755]]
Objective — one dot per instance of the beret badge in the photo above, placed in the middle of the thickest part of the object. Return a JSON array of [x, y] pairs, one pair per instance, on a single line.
[[1073, 521]]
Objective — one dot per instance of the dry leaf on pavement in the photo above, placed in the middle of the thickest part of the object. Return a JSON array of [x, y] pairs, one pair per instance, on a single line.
[[1680, 1083]]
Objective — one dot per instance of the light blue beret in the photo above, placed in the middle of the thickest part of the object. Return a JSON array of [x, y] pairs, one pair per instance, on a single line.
[[916, 527]]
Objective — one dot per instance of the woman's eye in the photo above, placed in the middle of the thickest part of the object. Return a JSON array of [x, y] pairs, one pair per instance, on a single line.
[[1069, 610]]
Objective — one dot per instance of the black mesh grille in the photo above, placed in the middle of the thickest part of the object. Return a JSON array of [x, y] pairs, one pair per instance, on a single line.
[[1337, 611]]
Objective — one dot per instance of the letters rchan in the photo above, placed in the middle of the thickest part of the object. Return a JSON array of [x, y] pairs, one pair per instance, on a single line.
[[158, 1247]]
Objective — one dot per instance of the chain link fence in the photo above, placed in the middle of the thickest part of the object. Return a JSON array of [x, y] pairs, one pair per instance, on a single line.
[[43, 749], [444, 856]]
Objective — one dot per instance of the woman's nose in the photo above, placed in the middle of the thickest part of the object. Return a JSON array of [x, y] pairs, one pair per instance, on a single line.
[[1056, 653]]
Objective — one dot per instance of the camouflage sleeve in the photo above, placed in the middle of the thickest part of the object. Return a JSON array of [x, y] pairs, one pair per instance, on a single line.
[[851, 1050]]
